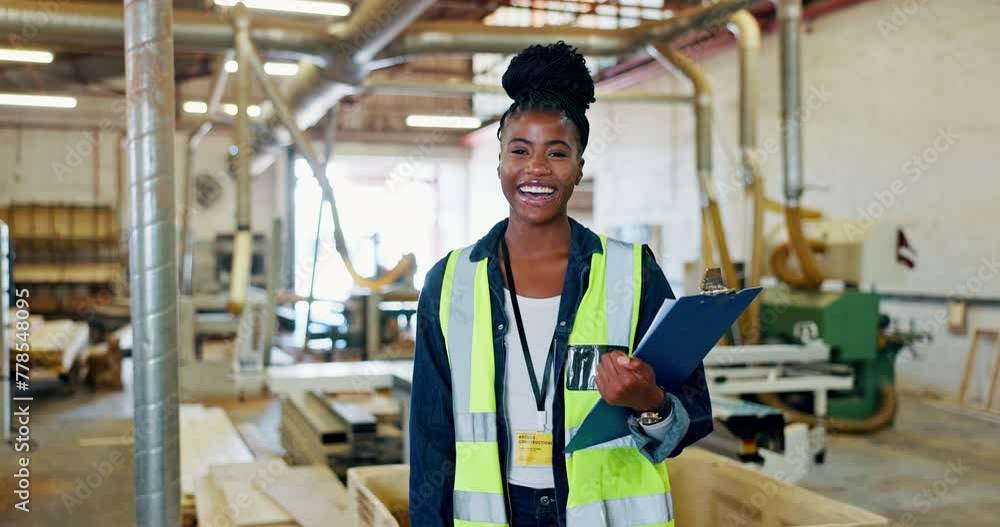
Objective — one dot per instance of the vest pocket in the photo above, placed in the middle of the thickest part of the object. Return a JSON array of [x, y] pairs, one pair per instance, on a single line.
[[581, 365]]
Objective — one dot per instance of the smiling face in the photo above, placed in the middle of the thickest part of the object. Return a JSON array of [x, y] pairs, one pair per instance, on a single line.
[[540, 164]]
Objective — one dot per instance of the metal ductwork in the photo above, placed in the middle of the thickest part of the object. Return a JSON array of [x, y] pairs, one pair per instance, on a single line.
[[472, 37], [313, 91], [790, 15], [76, 25], [149, 70]]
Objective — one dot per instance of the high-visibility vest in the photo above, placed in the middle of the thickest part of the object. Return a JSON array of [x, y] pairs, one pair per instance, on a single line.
[[611, 484]]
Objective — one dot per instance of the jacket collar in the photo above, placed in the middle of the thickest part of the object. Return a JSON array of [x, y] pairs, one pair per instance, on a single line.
[[583, 244]]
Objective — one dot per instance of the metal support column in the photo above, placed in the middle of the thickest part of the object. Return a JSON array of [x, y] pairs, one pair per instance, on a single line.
[[149, 73]]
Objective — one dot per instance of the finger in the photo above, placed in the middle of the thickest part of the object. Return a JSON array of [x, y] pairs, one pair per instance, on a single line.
[[632, 363], [614, 361]]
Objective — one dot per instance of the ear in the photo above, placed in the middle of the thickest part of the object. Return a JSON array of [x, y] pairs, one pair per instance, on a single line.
[[579, 178]]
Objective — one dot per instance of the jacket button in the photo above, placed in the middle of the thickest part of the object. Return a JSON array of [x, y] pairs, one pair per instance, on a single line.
[[563, 323], [500, 326], [544, 500]]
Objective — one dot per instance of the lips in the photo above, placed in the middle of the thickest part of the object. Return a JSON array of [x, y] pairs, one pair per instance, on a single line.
[[536, 193]]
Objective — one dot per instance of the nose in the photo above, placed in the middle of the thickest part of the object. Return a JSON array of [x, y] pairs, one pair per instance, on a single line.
[[538, 164]]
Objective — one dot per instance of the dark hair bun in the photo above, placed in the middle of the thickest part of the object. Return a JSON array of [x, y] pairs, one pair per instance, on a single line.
[[540, 72]]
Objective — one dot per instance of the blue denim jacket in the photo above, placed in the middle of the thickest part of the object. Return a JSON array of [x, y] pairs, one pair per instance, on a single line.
[[432, 435]]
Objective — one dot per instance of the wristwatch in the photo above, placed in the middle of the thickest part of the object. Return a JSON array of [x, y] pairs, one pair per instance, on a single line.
[[651, 418]]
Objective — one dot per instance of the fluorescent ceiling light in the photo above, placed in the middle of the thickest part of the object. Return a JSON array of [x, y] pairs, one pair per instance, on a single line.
[[442, 121], [39, 101], [280, 69], [229, 109], [309, 7], [195, 107], [24, 55]]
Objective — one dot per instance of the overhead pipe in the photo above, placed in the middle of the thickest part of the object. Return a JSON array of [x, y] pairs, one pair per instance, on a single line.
[[354, 42], [673, 60], [239, 276], [473, 37], [747, 31], [395, 87], [218, 89], [149, 68], [103, 25], [305, 148], [314, 91], [790, 16]]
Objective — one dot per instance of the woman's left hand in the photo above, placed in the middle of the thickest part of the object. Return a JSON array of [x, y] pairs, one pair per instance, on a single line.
[[628, 381]]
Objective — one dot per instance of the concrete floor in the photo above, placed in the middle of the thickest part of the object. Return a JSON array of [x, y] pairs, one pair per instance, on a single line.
[[935, 468]]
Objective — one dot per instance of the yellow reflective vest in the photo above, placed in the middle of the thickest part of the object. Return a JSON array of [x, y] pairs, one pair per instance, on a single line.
[[611, 484]]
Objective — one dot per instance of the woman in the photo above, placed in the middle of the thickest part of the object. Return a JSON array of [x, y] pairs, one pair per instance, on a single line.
[[519, 335]]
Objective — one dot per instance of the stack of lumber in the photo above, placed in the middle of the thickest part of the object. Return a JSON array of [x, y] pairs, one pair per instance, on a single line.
[[271, 493], [208, 438], [55, 345], [341, 430]]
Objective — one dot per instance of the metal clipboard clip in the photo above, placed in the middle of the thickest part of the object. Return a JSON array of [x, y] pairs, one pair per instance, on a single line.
[[712, 283]]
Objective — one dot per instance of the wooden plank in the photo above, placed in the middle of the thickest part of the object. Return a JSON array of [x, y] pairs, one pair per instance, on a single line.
[[354, 416], [210, 505], [312, 495], [208, 437], [256, 442], [325, 425], [249, 506]]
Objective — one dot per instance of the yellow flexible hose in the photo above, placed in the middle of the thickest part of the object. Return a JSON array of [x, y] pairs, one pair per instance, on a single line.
[[807, 214], [779, 264], [879, 420], [805, 251]]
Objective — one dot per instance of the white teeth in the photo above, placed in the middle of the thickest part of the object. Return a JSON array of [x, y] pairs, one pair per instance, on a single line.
[[537, 190]]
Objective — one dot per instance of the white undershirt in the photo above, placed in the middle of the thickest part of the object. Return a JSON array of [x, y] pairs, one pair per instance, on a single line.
[[540, 316]]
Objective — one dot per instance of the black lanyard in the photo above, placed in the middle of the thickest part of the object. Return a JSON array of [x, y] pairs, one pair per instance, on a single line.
[[539, 391]]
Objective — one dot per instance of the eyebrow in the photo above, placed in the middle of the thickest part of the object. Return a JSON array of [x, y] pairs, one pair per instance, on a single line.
[[550, 143]]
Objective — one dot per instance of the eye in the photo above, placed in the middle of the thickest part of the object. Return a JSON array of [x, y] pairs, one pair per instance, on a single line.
[[519, 151], [558, 153]]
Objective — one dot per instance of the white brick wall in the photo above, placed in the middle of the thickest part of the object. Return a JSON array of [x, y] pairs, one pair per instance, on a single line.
[[896, 75]]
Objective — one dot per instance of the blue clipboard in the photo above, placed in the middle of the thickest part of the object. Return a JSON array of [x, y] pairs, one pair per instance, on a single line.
[[679, 339]]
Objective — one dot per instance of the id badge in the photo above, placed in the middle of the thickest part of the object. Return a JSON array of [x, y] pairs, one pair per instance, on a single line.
[[581, 365], [534, 449]]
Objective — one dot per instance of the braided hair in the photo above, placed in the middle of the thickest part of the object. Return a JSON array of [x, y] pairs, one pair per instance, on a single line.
[[555, 78]]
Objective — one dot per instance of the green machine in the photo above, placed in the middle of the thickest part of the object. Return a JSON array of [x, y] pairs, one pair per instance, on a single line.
[[849, 322]]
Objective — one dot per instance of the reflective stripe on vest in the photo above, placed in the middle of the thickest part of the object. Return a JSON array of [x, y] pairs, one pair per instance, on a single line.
[[611, 484], [466, 323]]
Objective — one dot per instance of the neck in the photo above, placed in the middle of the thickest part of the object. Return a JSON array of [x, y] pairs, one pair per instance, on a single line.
[[532, 239]]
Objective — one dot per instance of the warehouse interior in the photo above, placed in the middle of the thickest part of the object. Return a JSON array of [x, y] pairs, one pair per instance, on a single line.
[[217, 216]]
